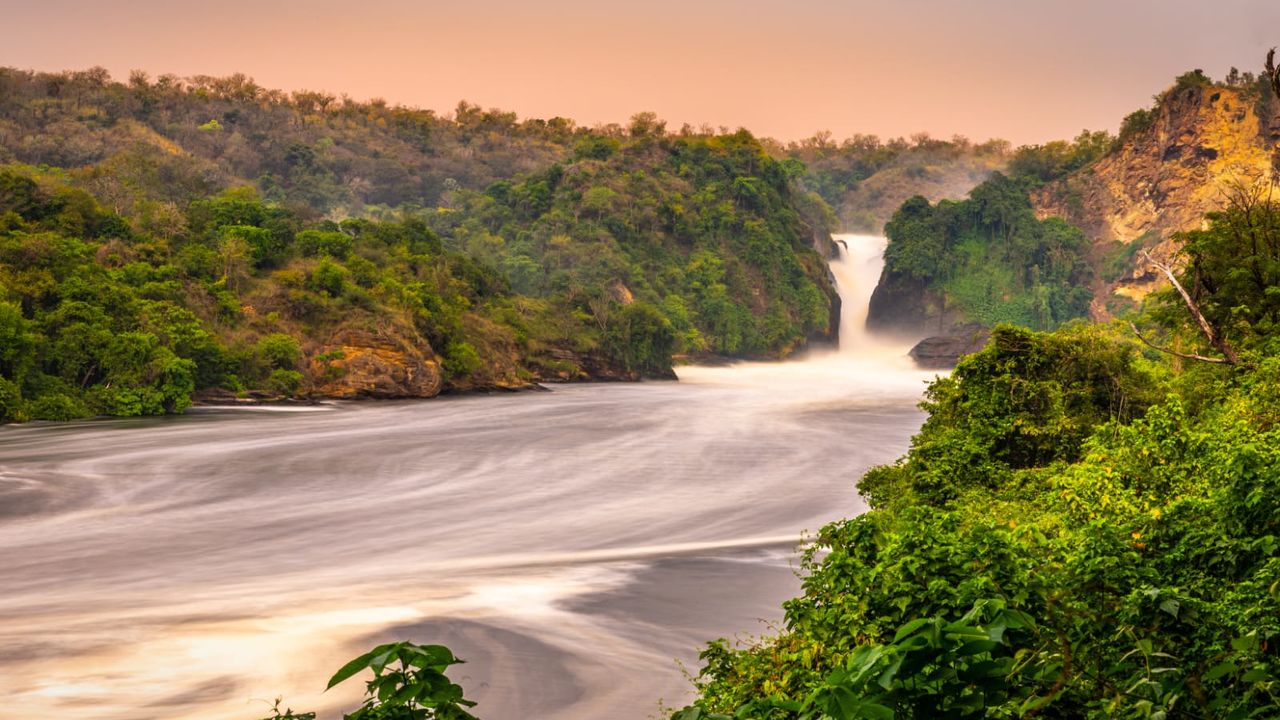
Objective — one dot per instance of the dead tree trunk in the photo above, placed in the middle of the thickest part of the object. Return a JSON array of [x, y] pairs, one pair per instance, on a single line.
[[1210, 332], [1273, 74]]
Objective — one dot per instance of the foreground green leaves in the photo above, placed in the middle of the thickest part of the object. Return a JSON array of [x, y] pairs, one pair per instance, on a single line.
[[408, 683]]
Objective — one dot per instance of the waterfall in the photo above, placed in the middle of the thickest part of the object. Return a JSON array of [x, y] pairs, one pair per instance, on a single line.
[[857, 270], [865, 367]]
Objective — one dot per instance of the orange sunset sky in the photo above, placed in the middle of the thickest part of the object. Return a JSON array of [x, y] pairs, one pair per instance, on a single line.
[[1025, 70]]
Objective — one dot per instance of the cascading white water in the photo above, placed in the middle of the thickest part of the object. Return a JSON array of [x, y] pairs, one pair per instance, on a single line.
[[857, 270]]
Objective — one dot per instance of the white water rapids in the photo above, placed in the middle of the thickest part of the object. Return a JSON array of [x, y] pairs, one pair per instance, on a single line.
[[569, 544]]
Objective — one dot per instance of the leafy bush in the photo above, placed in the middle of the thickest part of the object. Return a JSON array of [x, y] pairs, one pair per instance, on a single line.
[[56, 407], [323, 242], [409, 683], [640, 337], [329, 278], [284, 382], [1134, 123], [279, 351], [461, 359]]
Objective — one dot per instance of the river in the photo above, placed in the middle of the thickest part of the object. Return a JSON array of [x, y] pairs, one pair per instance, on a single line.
[[572, 545]]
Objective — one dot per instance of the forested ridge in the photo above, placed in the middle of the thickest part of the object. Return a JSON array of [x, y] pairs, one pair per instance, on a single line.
[[163, 239]]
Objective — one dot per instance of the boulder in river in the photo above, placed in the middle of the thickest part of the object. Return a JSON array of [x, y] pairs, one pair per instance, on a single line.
[[944, 351]]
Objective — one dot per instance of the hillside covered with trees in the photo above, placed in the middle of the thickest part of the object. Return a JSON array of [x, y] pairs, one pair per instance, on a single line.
[[171, 238], [990, 258], [865, 179]]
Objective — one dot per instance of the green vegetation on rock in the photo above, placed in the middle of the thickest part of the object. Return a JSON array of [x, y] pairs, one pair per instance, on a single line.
[[702, 229], [1059, 158]]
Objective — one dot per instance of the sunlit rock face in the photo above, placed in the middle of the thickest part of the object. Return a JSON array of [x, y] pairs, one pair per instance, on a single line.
[[1204, 143], [362, 364]]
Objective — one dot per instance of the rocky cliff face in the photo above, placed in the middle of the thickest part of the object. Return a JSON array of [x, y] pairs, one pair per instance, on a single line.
[[1202, 142], [908, 308], [361, 364]]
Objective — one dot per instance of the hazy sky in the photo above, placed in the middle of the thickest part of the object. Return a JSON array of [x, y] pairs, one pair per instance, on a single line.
[[1026, 70]]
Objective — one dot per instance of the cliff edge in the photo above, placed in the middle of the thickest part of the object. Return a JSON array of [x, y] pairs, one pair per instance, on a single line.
[[1171, 165]]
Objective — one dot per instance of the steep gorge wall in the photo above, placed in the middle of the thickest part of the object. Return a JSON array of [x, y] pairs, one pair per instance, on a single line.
[[1204, 141]]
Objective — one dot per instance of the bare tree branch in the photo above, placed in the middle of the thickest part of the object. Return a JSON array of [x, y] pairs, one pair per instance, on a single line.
[[1210, 334], [1273, 74], [1188, 356]]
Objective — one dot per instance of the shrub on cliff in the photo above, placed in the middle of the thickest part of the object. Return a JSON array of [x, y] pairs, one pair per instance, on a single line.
[[640, 338], [1027, 400]]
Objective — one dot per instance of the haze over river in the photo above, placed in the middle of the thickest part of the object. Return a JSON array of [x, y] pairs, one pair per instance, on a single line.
[[569, 544]]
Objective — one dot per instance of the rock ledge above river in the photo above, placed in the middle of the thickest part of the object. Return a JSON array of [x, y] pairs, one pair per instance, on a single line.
[[944, 351]]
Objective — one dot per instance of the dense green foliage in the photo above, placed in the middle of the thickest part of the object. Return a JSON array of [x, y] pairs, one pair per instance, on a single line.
[[1233, 270], [700, 228], [409, 683], [990, 257], [1082, 528], [1059, 158], [105, 318], [1027, 402], [169, 238]]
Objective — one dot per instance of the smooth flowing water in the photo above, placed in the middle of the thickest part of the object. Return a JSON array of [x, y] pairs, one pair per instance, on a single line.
[[571, 545]]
